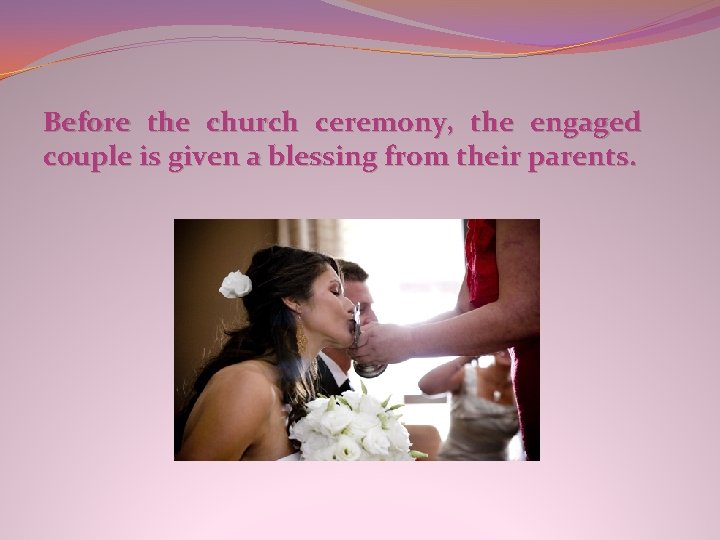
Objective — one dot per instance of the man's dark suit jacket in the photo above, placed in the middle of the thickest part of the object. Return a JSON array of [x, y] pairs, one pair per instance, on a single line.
[[326, 383]]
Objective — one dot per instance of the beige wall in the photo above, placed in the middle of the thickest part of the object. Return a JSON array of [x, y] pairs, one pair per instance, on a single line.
[[205, 252]]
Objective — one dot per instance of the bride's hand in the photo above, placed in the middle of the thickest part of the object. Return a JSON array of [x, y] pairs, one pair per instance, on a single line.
[[383, 344]]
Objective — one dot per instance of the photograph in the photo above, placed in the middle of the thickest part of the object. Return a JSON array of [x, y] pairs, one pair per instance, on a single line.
[[305, 339]]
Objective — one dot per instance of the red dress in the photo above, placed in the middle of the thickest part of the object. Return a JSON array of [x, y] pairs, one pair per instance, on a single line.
[[483, 283]]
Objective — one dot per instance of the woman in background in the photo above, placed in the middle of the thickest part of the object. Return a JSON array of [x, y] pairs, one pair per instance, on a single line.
[[483, 413], [246, 397]]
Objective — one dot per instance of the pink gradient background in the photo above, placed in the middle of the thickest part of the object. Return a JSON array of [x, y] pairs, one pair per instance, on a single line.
[[629, 285]]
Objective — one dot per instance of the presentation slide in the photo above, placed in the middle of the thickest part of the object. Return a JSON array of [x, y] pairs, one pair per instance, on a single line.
[[122, 124]]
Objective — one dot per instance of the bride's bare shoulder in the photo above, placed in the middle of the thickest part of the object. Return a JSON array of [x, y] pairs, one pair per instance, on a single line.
[[253, 379], [232, 412]]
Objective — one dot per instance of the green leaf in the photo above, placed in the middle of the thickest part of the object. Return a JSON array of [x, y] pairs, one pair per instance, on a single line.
[[385, 403], [417, 454], [344, 402], [364, 389], [397, 406]]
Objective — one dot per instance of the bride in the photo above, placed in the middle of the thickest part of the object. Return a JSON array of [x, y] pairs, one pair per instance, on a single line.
[[245, 398]]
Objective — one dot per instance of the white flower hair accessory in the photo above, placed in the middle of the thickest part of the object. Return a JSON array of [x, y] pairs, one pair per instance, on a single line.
[[235, 285]]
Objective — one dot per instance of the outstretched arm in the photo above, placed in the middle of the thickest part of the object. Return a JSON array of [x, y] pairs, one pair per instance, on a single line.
[[515, 315]]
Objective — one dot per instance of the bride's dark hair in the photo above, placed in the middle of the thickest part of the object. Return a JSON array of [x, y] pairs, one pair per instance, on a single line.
[[276, 272]]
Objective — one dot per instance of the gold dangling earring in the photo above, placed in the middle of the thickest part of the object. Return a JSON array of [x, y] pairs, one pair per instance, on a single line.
[[300, 338]]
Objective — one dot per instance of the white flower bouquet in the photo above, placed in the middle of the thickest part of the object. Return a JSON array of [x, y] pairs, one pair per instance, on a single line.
[[352, 427]]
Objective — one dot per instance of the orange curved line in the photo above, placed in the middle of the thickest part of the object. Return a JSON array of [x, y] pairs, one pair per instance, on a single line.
[[438, 54]]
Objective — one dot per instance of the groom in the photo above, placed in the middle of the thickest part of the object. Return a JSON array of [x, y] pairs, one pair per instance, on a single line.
[[334, 364]]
